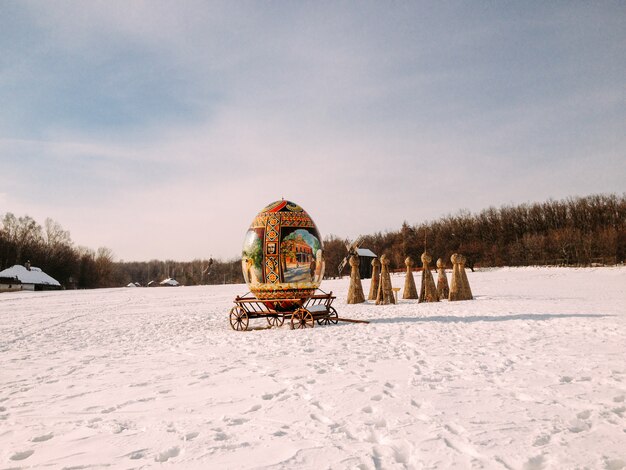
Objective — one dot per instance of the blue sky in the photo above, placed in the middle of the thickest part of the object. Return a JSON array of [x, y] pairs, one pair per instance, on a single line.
[[159, 129]]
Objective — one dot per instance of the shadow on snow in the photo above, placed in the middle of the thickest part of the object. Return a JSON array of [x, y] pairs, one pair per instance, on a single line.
[[485, 318]]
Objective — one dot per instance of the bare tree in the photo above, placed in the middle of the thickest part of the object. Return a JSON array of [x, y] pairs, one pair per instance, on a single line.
[[23, 232]]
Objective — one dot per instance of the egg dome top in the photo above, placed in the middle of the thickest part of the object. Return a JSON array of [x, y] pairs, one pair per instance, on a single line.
[[282, 252]]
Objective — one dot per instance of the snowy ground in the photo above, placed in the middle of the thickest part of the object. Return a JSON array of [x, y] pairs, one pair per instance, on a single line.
[[531, 374]]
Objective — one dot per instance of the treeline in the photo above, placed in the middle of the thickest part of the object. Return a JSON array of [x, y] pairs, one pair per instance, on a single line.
[[191, 273], [50, 248], [578, 231]]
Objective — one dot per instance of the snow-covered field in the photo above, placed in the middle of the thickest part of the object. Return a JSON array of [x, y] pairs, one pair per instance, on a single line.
[[531, 374]]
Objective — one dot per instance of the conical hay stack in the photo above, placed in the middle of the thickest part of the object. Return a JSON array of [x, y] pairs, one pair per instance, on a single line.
[[428, 290], [410, 290], [385, 292], [443, 290], [467, 290], [459, 287], [355, 291], [375, 279]]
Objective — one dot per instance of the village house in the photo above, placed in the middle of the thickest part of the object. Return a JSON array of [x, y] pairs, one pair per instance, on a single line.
[[26, 277]]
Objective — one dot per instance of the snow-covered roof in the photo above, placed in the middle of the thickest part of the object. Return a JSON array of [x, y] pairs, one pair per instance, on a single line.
[[130, 284], [366, 252], [169, 282], [34, 276]]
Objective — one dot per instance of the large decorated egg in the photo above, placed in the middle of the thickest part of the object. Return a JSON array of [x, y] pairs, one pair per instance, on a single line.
[[282, 257]]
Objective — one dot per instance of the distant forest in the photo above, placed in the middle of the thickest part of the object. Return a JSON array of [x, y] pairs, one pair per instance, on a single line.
[[580, 231]]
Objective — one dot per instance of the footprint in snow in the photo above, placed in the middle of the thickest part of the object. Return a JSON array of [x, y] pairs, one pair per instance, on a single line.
[[254, 408], [321, 418], [45, 437], [141, 384], [619, 411], [454, 429], [614, 464], [236, 421], [22, 455], [374, 437], [138, 454], [318, 405], [534, 463], [376, 398], [380, 423], [462, 447], [190, 436], [578, 425], [541, 440], [168, 454]]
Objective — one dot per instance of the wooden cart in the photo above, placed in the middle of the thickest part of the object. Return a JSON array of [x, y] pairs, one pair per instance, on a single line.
[[317, 308]]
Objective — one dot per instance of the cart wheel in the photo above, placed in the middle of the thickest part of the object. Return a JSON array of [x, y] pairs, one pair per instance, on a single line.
[[275, 320], [238, 319], [332, 316], [323, 321], [302, 318]]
